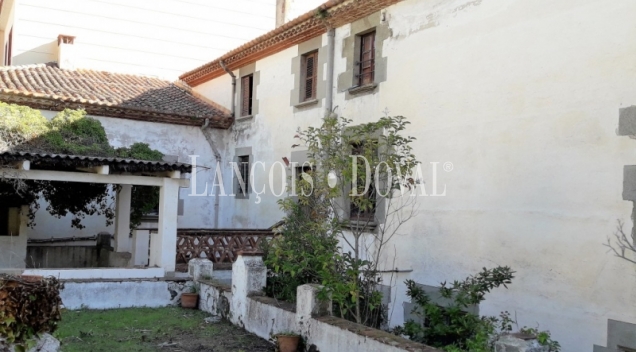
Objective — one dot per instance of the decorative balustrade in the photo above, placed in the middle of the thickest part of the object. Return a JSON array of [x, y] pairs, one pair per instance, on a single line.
[[219, 246]]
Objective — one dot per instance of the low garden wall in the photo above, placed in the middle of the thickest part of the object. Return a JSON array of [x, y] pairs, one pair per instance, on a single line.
[[111, 293], [244, 305]]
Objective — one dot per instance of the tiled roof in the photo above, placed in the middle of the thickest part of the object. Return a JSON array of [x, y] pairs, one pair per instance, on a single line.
[[41, 161], [333, 13], [48, 87]]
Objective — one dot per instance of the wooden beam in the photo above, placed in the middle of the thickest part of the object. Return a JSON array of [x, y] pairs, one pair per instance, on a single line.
[[170, 174], [65, 176], [100, 170]]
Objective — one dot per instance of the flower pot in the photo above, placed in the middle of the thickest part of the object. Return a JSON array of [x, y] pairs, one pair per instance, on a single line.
[[288, 343], [189, 300]]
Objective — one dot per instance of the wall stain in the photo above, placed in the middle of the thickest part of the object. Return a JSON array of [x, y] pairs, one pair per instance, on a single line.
[[433, 19]]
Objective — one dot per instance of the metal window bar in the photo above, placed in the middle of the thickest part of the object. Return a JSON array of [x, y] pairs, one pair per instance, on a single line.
[[366, 71]]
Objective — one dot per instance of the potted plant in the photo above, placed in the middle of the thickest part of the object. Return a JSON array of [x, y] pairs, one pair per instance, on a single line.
[[191, 298], [287, 341]]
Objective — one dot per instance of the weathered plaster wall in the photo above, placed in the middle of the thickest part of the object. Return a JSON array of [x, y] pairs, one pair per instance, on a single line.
[[522, 97]]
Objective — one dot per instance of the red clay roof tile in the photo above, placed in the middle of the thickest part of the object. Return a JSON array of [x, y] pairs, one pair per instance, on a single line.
[[46, 86]]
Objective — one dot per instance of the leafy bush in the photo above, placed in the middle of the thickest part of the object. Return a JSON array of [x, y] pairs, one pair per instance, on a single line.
[[451, 327], [28, 308]]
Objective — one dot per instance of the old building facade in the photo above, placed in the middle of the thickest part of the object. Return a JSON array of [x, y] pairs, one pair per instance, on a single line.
[[520, 100]]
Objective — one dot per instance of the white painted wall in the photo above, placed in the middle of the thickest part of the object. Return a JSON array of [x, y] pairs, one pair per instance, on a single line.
[[522, 97], [161, 37], [121, 294]]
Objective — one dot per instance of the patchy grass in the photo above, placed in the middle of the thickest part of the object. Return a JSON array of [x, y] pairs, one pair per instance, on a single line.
[[152, 329]]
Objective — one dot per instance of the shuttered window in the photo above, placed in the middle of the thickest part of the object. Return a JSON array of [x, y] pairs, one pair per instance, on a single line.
[[366, 73], [247, 90], [309, 74]]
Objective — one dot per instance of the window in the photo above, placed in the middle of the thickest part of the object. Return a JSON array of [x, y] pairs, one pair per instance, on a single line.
[[244, 171], [309, 76], [363, 208], [366, 72], [247, 91], [8, 48]]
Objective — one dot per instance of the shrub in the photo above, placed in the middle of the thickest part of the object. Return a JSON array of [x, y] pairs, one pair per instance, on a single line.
[[451, 327], [28, 309]]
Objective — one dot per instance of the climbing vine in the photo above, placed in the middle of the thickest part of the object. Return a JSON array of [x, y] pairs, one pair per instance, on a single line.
[[23, 129]]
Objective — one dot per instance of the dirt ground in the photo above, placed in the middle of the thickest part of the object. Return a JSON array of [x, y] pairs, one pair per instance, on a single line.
[[152, 329]]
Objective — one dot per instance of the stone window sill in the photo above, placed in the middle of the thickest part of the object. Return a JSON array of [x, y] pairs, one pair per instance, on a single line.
[[363, 89], [244, 118], [306, 103]]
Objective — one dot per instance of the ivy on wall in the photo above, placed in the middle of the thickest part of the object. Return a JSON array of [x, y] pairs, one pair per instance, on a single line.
[[25, 129]]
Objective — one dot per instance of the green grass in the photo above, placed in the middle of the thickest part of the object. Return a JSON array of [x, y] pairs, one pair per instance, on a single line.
[[151, 329]]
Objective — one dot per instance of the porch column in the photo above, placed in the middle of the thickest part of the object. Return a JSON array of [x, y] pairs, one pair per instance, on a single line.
[[163, 246], [122, 219]]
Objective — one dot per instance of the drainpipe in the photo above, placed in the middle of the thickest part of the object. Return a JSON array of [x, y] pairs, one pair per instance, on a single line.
[[331, 35], [233, 86], [217, 156]]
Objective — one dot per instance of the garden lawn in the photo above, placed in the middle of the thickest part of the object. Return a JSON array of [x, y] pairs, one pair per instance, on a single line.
[[152, 329]]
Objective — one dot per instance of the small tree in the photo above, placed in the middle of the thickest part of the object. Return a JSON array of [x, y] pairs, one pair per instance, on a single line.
[[353, 192]]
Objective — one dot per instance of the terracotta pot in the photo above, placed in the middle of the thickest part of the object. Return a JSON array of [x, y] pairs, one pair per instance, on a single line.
[[189, 300], [31, 278], [288, 343]]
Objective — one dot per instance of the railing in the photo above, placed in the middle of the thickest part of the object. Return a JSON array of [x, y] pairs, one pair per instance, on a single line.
[[218, 245]]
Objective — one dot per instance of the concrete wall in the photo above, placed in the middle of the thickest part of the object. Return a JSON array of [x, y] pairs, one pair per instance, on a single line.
[[522, 97], [109, 294], [244, 306], [163, 38]]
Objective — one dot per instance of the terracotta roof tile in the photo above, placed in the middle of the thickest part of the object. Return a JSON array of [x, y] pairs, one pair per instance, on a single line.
[[46, 86], [333, 13]]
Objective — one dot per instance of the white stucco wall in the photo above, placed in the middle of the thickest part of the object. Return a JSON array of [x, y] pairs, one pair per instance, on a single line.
[[162, 37], [522, 97]]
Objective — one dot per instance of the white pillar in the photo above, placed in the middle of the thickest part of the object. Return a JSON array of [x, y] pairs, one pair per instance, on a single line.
[[163, 246], [249, 277], [307, 303], [122, 219], [140, 243]]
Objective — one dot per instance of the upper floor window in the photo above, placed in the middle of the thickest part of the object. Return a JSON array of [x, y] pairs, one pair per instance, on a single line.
[[309, 76], [247, 94], [366, 63]]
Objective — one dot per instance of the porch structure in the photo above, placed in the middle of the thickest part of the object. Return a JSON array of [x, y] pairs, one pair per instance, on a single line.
[[117, 171]]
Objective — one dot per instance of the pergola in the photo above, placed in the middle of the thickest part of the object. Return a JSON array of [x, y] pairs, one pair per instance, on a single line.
[[123, 172]]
